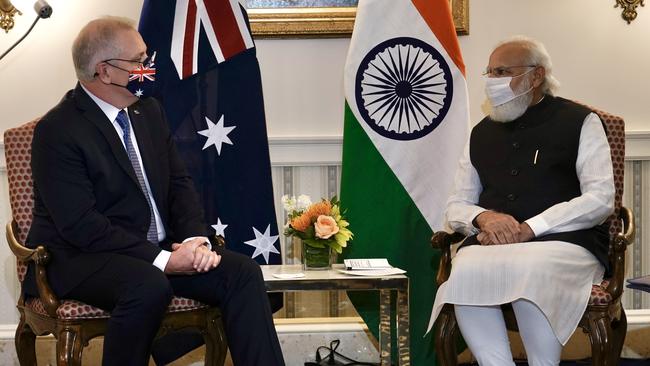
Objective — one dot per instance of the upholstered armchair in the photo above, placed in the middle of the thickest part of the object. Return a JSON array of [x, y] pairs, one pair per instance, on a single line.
[[74, 323], [604, 319]]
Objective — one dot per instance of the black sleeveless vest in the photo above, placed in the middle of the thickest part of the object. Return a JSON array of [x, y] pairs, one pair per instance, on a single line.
[[529, 165]]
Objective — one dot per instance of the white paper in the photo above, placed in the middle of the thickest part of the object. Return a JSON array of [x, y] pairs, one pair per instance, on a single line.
[[374, 272], [287, 276], [366, 263]]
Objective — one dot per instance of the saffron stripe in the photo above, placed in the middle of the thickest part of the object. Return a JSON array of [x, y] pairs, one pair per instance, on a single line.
[[437, 15]]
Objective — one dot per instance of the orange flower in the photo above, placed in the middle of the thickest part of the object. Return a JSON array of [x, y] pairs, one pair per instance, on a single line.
[[301, 223], [317, 209]]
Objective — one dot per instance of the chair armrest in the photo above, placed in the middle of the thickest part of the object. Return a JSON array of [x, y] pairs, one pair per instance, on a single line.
[[220, 240], [629, 229], [443, 240], [619, 245], [40, 256]]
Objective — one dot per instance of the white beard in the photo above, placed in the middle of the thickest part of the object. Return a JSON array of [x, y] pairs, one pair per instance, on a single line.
[[515, 108]]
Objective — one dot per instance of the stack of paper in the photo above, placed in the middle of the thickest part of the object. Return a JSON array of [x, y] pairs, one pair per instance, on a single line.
[[372, 267], [373, 272]]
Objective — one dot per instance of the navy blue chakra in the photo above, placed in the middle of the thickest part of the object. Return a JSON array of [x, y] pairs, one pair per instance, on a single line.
[[403, 88]]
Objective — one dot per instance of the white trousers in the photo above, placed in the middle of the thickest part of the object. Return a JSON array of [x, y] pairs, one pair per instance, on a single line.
[[484, 330]]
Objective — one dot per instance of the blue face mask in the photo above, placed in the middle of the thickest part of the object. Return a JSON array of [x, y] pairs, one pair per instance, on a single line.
[[141, 79]]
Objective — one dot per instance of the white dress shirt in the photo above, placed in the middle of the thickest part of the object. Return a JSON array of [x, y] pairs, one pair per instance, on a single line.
[[592, 207], [111, 113]]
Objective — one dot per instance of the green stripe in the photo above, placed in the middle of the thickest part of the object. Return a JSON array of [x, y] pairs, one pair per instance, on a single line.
[[386, 223]]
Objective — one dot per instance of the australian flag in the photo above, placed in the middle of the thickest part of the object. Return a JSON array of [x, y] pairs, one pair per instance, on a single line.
[[208, 80]]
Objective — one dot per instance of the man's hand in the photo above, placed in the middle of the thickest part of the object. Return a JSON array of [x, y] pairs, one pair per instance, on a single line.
[[525, 233], [497, 228], [191, 257], [205, 259]]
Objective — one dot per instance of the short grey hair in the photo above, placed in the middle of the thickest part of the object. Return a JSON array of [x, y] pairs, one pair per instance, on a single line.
[[97, 41], [536, 55]]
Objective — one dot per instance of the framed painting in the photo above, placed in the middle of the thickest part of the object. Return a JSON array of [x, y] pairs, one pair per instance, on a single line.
[[320, 18]]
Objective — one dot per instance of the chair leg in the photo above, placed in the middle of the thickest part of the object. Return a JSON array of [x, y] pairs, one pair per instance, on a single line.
[[215, 340], [69, 347], [445, 329], [25, 343], [619, 329], [600, 337]]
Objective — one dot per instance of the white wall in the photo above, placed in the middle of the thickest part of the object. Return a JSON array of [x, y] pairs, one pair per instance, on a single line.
[[598, 58]]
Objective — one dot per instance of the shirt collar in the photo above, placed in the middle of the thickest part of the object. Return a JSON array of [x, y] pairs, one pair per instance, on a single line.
[[109, 110]]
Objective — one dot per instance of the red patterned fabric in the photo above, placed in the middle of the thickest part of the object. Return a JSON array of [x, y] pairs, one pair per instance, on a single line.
[[616, 136], [18, 150], [615, 128], [75, 310], [599, 294]]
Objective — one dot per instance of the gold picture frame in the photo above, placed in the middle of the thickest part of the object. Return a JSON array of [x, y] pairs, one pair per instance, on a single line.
[[287, 22]]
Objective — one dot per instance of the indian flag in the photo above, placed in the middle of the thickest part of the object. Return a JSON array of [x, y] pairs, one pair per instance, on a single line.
[[406, 124]]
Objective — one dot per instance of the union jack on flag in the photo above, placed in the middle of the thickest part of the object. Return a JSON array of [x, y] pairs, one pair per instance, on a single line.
[[224, 25]]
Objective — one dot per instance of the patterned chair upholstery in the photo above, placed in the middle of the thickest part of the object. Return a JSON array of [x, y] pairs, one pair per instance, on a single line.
[[72, 322], [604, 319]]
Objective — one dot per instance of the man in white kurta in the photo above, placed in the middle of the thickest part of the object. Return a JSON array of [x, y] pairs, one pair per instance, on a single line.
[[533, 190]]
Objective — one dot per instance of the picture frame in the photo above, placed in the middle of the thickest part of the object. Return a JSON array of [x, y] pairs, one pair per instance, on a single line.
[[280, 21]]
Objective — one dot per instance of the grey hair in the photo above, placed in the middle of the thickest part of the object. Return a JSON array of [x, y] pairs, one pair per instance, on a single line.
[[536, 55], [97, 41]]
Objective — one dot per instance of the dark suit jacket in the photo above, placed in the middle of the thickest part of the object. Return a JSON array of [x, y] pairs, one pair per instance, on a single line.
[[88, 205]]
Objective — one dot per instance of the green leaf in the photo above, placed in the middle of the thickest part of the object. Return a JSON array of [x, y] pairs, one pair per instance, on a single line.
[[316, 243]]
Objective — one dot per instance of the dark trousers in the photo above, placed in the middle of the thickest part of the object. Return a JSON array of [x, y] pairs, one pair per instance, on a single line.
[[137, 295]]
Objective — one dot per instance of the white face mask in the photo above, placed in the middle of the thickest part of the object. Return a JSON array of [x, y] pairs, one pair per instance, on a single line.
[[498, 90]]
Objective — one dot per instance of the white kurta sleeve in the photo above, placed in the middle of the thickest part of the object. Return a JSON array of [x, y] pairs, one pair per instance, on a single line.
[[595, 172], [461, 205]]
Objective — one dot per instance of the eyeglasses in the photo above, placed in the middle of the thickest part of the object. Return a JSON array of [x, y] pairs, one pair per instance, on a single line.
[[148, 62], [503, 70], [145, 62]]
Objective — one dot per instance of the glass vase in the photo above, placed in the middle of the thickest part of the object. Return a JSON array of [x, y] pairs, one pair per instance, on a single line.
[[316, 258]]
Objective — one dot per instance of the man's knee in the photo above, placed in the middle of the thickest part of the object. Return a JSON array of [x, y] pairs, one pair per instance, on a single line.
[[244, 265], [152, 290]]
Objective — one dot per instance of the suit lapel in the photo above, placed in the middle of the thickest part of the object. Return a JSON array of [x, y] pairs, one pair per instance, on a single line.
[[147, 153], [93, 113]]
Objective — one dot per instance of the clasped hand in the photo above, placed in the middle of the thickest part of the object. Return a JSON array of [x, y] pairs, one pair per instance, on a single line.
[[192, 257], [500, 228]]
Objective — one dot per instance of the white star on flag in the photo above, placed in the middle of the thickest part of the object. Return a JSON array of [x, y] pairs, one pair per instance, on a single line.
[[263, 243], [138, 93], [220, 228], [217, 134]]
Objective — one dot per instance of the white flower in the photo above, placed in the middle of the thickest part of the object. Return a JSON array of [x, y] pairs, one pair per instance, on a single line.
[[303, 202], [289, 203]]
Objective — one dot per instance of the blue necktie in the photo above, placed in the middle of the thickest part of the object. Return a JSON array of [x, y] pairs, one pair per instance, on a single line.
[[123, 120]]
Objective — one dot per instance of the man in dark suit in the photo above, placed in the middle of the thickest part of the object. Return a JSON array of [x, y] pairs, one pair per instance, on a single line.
[[118, 212]]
